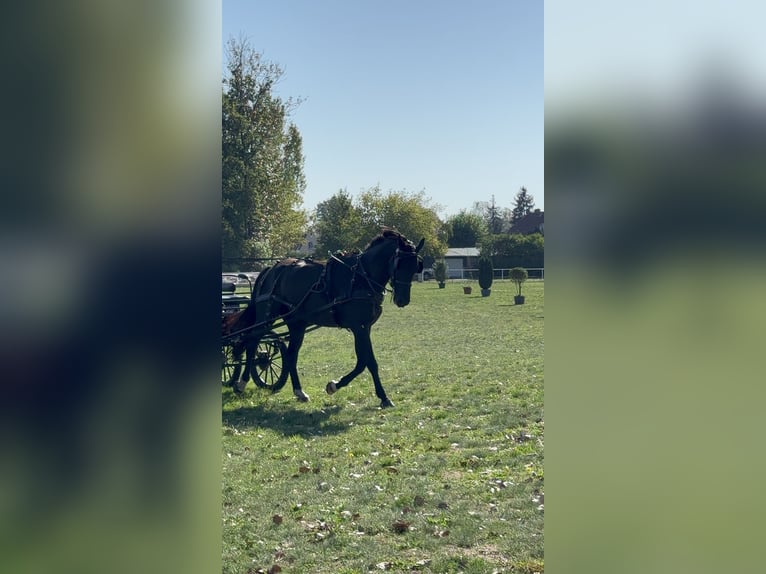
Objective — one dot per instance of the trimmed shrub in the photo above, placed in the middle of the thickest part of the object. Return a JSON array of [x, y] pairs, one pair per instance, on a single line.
[[485, 272]]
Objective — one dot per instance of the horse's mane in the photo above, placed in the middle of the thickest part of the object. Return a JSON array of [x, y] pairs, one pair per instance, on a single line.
[[385, 234]]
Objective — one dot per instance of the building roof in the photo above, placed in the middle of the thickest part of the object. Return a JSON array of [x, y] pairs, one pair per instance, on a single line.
[[462, 252], [532, 222]]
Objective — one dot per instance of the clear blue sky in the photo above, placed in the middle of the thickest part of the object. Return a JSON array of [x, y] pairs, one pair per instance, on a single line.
[[440, 96]]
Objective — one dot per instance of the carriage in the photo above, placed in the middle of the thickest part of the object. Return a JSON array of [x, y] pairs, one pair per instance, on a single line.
[[298, 295], [267, 370]]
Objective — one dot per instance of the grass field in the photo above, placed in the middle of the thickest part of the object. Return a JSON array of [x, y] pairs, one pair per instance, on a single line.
[[450, 480]]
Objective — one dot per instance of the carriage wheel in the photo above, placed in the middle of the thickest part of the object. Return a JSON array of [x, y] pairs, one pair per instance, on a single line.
[[268, 370], [228, 363]]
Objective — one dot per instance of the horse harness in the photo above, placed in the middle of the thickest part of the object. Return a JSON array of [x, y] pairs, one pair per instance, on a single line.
[[323, 285], [376, 291]]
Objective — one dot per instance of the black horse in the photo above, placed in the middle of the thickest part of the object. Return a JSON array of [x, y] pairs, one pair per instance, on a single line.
[[347, 292]]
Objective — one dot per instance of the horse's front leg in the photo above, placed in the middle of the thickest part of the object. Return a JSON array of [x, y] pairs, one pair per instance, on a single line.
[[297, 332], [364, 358]]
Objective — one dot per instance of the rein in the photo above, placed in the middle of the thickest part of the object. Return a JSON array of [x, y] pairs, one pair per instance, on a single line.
[[362, 272]]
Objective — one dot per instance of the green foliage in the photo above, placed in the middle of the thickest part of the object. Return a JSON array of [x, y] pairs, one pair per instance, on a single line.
[[522, 205], [338, 225], [412, 214], [466, 229], [440, 271], [518, 276], [262, 179], [485, 272], [515, 250], [495, 218], [345, 223]]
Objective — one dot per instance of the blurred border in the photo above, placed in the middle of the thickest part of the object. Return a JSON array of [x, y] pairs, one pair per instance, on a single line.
[[109, 263], [655, 141]]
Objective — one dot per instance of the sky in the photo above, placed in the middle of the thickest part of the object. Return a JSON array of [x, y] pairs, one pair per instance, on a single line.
[[433, 96], [650, 49]]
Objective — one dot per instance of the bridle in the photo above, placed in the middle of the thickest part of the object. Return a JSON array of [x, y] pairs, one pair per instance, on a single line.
[[394, 265]]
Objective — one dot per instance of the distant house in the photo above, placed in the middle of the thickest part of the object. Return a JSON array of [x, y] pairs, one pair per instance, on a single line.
[[532, 222], [459, 258]]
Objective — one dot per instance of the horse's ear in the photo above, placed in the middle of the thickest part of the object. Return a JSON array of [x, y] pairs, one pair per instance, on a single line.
[[420, 245]]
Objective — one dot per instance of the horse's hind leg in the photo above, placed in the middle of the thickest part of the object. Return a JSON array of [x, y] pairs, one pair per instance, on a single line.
[[236, 362], [297, 332], [250, 345], [240, 382], [364, 358]]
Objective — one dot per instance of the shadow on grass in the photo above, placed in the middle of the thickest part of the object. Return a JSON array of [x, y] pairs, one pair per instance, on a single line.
[[287, 420]]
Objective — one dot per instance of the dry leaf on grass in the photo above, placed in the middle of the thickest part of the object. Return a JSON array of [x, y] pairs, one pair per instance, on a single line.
[[400, 526]]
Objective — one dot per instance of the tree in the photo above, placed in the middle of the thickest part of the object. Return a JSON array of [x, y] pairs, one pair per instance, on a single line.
[[338, 224], [289, 221], [491, 214], [345, 223], [493, 218], [466, 229], [412, 214], [522, 205], [262, 179]]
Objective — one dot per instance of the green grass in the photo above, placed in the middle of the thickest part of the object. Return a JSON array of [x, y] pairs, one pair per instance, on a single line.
[[446, 481]]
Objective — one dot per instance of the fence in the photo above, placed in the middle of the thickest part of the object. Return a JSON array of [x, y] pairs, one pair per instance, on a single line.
[[473, 274]]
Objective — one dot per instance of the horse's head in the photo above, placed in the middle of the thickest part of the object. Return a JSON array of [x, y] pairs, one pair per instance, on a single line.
[[404, 264], [391, 257]]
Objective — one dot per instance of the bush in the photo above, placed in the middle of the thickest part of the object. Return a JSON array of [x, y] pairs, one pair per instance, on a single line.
[[485, 272], [526, 251], [440, 271], [518, 276]]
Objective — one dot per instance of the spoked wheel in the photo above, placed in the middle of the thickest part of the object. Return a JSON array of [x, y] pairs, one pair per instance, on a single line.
[[268, 369], [228, 363]]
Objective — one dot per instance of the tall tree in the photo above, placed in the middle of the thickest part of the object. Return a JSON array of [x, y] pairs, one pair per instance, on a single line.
[[493, 218], [491, 214], [522, 205], [466, 229], [338, 224], [262, 179], [289, 222]]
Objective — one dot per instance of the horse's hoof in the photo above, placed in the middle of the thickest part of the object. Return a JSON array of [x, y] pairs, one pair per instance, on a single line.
[[331, 387], [238, 387], [386, 403], [301, 396]]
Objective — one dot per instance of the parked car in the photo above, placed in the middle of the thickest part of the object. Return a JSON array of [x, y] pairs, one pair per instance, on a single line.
[[428, 273]]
